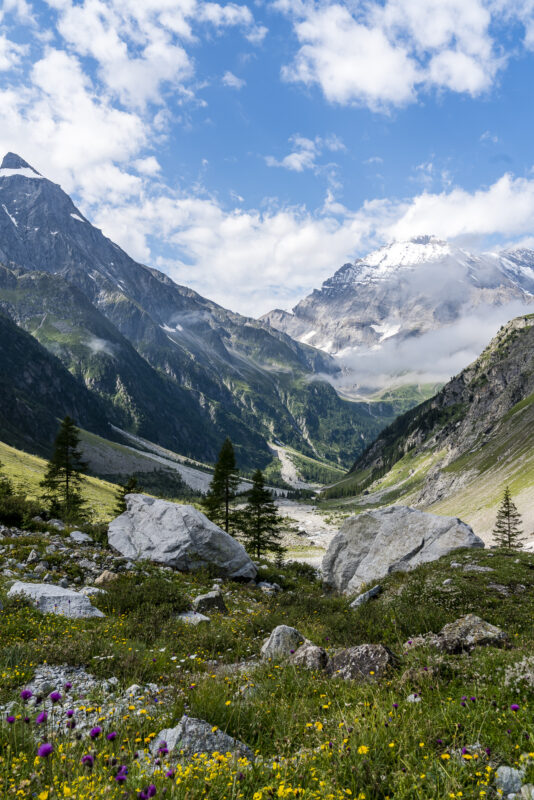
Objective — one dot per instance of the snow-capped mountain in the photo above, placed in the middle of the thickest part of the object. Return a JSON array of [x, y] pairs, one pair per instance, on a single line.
[[404, 290], [169, 365]]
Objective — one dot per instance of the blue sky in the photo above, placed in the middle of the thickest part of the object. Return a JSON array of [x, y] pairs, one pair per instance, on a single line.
[[250, 150]]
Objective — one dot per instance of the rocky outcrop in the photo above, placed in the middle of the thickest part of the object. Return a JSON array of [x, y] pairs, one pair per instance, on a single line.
[[211, 601], [178, 536], [376, 543], [463, 635], [55, 599], [192, 736], [310, 656], [282, 642], [365, 662]]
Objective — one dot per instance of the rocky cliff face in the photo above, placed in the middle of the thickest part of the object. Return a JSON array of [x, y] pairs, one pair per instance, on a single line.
[[168, 363]]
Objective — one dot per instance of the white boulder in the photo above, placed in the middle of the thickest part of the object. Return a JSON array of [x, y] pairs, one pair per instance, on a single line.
[[282, 642], [193, 736], [375, 543], [178, 536], [52, 599]]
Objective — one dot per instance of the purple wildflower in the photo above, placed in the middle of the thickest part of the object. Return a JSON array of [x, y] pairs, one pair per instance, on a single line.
[[71, 724], [122, 775], [169, 774], [42, 717], [70, 713], [88, 760], [94, 733], [45, 750], [514, 707], [67, 686], [55, 697], [26, 694], [111, 736], [10, 718]]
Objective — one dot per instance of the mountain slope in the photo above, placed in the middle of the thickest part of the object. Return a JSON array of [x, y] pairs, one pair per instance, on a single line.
[[456, 452], [36, 390], [137, 339], [405, 290]]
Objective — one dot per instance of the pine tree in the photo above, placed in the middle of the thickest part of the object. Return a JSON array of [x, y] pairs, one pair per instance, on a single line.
[[223, 488], [507, 531], [130, 487], [260, 522], [62, 478]]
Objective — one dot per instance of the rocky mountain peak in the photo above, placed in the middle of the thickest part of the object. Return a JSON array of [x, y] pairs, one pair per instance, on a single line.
[[14, 164]]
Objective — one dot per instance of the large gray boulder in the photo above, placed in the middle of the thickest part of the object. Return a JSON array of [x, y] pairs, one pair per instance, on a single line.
[[192, 736], [178, 536], [365, 662], [282, 642], [375, 543], [52, 599]]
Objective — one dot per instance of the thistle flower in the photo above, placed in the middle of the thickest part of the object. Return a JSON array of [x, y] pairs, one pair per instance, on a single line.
[[88, 760], [111, 736], [514, 707], [10, 718], [55, 697], [67, 686], [70, 713], [94, 733], [45, 750], [26, 694], [42, 717]]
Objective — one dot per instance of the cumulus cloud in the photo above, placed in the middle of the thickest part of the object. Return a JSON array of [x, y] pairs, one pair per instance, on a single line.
[[232, 81], [10, 53], [305, 152], [384, 54]]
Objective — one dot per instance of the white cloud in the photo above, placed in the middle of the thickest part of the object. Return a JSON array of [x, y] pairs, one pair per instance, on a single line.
[[147, 166], [305, 152], [10, 53], [232, 81], [383, 55]]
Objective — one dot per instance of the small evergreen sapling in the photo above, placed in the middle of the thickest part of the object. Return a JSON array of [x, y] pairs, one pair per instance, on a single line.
[[62, 480], [260, 521], [223, 488], [130, 487], [507, 531]]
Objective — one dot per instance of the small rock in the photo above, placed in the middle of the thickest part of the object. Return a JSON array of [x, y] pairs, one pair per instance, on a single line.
[[366, 596], [211, 601], [197, 736], [80, 538], [57, 523], [310, 656], [33, 557], [468, 632], [413, 698], [477, 568], [91, 591], [447, 581], [364, 662], [269, 588], [55, 599], [192, 618], [106, 577], [508, 779], [282, 642]]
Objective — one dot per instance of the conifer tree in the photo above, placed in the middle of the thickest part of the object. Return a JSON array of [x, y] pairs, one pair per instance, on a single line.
[[260, 522], [223, 488], [6, 487], [130, 487], [62, 478], [507, 531]]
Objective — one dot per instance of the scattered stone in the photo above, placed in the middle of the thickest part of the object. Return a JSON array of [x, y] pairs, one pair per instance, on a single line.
[[521, 674], [57, 523], [192, 736], [508, 779], [498, 587], [91, 591], [378, 542], [178, 536], [106, 577], [33, 557], [413, 698], [80, 538], [468, 632], [366, 596], [212, 601], [269, 588], [192, 618], [310, 656], [477, 568], [282, 642], [447, 581], [364, 662], [55, 599]]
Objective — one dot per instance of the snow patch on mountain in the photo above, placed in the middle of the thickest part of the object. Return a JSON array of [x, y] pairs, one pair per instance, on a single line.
[[25, 172]]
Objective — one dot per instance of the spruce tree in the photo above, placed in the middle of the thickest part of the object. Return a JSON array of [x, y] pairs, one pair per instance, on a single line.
[[6, 487], [130, 487], [507, 531], [260, 522], [62, 478], [223, 488]]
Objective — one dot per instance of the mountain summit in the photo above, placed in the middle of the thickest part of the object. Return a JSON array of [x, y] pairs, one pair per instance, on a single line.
[[404, 290], [169, 364]]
